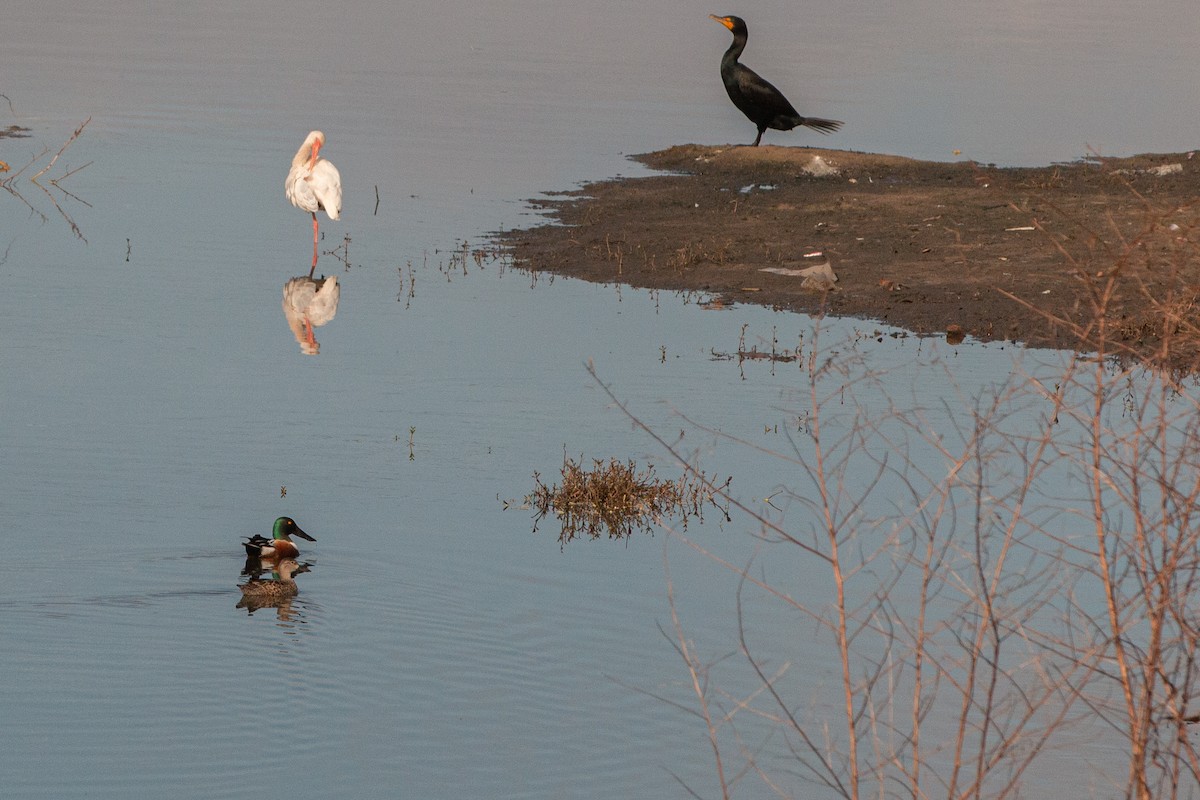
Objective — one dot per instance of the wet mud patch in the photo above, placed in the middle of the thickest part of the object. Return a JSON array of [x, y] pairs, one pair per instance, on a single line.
[[1095, 254]]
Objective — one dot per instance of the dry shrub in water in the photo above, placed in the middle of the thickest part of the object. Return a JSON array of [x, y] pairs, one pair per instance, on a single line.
[[9, 183], [990, 576], [616, 498]]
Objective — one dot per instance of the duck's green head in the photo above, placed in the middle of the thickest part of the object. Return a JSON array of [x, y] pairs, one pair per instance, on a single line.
[[286, 528]]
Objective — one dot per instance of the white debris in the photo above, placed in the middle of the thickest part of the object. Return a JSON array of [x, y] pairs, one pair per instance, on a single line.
[[1165, 169], [819, 168], [819, 276], [1159, 171]]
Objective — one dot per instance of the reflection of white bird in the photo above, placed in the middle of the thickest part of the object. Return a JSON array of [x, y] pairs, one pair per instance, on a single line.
[[309, 304], [313, 184]]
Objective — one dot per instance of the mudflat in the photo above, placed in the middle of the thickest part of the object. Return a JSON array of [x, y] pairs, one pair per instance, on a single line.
[[1096, 254]]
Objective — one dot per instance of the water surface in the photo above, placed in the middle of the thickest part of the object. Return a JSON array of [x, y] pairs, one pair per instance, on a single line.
[[157, 407]]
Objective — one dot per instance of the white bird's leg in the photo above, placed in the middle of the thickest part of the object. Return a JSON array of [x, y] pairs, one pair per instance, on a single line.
[[314, 264]]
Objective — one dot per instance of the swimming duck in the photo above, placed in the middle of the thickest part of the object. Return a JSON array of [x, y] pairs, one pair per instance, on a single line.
[[280, 545], [260, 592]]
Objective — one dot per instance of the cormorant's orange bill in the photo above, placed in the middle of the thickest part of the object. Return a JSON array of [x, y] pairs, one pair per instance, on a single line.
[[726, 21]]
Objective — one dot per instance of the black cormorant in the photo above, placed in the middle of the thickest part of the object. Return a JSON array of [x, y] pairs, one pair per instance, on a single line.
[[757, 98]]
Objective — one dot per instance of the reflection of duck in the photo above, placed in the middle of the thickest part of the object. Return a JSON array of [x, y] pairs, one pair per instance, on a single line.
[[754, 95], [309, 304], [265, 592], [314, 184], [280, 544]]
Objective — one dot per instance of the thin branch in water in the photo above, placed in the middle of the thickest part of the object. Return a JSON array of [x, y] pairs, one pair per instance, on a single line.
[[62, 149], [9, 183]]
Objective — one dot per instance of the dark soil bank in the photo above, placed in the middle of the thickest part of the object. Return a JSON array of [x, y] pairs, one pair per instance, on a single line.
[[1051, 256]]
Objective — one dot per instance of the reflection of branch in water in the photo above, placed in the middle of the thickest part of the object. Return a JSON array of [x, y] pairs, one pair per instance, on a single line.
[[744, 354], [8, 183], [342, 253], [54, 181]]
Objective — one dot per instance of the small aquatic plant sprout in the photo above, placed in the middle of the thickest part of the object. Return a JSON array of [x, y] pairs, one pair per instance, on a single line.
[[280, 545], [616, 498], [314, 184]]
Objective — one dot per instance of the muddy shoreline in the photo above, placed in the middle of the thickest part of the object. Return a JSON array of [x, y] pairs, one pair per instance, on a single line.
[[1093, 254]]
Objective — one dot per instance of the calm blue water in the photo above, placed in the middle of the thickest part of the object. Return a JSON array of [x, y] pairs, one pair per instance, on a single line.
[[156, 404]]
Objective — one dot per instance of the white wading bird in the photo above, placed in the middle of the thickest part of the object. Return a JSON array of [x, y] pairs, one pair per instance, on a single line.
[[309, 304], [313, 184]]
